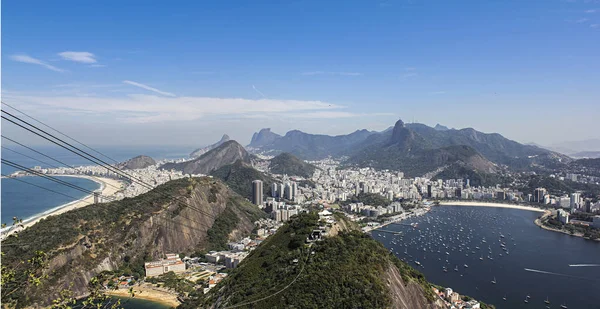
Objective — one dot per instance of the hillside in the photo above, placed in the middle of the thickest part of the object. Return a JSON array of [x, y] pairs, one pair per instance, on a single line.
[[239, 176], [350, 270], [408, 151], [226, 153], [200, 151], [286, 163], [137, 163], [476, 178], [181, 216]]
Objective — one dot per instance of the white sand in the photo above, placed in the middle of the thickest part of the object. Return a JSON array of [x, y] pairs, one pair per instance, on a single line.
[[487, 204], [108, 187]]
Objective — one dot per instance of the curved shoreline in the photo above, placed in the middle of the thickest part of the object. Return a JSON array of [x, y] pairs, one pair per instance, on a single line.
[[490, 204], [147, 293], [107, 188], [537, 221]]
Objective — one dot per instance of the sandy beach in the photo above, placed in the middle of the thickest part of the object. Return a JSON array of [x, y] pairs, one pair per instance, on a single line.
[[487, 204], [108, 187], [148, 293]]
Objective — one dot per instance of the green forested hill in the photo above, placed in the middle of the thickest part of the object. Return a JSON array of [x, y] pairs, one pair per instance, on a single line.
[[180, 216], [345, 271], [239, 176], [287, 163]]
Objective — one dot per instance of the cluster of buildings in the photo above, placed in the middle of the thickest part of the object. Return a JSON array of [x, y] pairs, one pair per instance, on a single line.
[[150, 175], [172, 262], [373, 211], [454, 301]]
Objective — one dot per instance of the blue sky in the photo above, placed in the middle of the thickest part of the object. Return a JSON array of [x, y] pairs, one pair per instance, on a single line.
[[185, 73]]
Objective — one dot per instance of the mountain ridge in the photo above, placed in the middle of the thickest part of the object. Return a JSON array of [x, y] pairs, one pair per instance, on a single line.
[[200, 151], [224, 154], [83, 243]]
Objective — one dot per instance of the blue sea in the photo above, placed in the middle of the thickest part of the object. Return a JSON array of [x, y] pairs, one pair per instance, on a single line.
[[25, 201]]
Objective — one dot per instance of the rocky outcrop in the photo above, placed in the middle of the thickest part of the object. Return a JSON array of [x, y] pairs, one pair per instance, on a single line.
[[263, 137], [127, 233], [406, 295], [226, 153], [200, 151], [137, 163]]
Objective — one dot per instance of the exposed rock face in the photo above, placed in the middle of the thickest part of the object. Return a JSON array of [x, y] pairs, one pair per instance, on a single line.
[[137, 163], [137, 230], [263, 137], [406, 296], [226, 153], [200, 151]]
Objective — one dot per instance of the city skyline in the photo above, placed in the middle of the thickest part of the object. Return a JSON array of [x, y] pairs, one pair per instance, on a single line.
[[209, 69]]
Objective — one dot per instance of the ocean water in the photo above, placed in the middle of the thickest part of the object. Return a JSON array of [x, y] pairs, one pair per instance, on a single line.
[[537, 263], [25, 201]]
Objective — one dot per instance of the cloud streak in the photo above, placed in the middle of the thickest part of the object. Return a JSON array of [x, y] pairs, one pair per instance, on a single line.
[[81, 57], [258, 91], [154, 108], [27, 59], [140, 85], [331, 73]]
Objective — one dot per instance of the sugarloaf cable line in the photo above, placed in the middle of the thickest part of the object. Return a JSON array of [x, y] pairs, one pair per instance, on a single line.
[[108, 166], [59, 132]]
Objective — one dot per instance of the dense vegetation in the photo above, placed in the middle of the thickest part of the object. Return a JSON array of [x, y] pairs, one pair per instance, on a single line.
[[476, 178], [372, 199], [586, 231], [239, 176], [287, 163], [559, 187], [85, 237], [345, 271]]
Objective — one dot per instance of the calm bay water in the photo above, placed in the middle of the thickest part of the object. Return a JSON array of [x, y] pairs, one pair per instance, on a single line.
[[537, 263]]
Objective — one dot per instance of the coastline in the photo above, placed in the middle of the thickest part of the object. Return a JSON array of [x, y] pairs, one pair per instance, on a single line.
[[107, 188], [147, 293], [488, 204]]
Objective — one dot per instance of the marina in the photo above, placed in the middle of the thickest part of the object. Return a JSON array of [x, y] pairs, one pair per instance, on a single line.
[[506, 259]]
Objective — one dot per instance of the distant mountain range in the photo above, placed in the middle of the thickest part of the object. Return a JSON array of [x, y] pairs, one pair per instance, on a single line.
[[304, 145], [200, 151], [414, 148], [226, 153]]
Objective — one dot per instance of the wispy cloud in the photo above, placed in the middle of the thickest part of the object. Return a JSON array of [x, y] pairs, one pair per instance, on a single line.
[[203, 72], [406, 76], [148, 88], [154, 108], [591, 11], [437, 92], [581, 20], [97, 65], [258, 91], [595, 26], [82, 57], [27, 59], [332, 73]]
